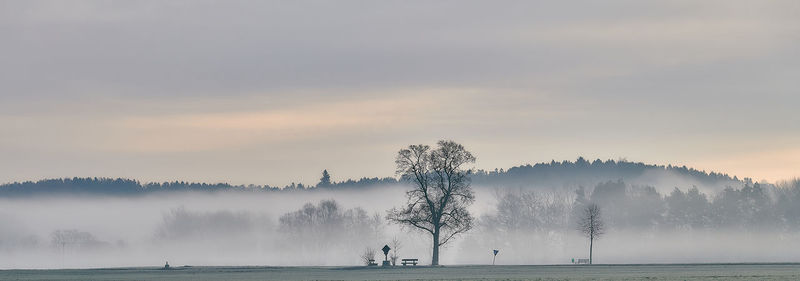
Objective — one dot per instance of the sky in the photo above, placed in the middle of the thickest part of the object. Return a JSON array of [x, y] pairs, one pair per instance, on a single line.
[[273, 92]]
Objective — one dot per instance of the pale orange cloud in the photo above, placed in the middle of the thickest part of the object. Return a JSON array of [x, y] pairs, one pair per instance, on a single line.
[[208, 131], [772, 165]]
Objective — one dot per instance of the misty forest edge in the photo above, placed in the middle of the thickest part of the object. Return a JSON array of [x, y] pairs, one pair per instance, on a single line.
[[441, 193], [523, 176]]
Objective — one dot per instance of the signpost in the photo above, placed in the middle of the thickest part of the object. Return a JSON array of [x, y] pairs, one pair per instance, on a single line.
[[386, 255]]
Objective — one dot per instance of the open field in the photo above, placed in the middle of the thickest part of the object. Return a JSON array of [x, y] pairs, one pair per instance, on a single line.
[[781, 271]]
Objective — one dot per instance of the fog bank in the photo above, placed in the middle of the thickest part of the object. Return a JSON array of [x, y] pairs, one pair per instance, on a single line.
[[300, 228]]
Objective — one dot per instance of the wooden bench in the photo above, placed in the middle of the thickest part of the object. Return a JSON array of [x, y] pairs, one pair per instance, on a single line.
[[372, 263], [410, 261], [580, 261]]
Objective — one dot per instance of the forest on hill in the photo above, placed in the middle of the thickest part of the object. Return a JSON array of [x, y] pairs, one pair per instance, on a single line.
[[548, 175]]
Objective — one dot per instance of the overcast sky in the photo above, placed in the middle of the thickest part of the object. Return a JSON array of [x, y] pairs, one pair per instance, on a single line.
[[273, 92]]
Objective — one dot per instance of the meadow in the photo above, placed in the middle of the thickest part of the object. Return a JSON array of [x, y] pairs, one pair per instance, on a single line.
[[776, 271]]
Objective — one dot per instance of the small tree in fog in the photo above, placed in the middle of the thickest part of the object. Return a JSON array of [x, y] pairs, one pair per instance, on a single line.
[[591, 225], [368, 256], [438, 202], [396, 244]]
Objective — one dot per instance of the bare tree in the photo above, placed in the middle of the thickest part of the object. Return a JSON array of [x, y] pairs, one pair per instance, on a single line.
[[396, 245], [591, 225], [438, 202], [368, 256]]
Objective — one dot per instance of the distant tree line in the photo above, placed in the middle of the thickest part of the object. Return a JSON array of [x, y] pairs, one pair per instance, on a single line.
[[107, 186], [582, 172], [552, 174], [73, 240], [327, 227], [182, 224], [119, 186], [545, 218], [752, 207]]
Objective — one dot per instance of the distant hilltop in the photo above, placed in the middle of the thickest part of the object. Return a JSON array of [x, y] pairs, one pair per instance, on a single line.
[[552, 175], [569, 174]]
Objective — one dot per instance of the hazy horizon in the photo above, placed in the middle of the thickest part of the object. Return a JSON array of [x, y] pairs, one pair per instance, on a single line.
[[337, 179]]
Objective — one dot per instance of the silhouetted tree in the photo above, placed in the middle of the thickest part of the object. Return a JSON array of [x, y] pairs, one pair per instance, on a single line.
[[438, 202], [325, 180], [591, 225]]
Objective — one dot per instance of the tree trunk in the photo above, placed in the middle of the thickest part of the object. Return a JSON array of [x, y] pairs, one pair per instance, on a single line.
[[435, 258], [590, 250]]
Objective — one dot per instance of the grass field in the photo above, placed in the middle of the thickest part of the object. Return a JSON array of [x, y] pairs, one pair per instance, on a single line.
[[477, 272]]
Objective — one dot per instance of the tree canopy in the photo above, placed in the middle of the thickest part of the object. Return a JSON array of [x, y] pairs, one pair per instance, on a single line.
[[437, 203]]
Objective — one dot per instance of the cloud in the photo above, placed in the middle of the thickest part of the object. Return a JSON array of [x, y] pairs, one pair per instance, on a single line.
[[195, 48], [227, 130], [132, 83]]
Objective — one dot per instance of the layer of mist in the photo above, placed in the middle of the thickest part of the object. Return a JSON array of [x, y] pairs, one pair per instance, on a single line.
[[191, 228], [333, 227]]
